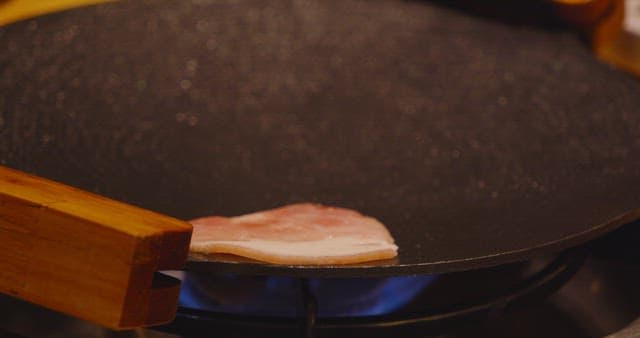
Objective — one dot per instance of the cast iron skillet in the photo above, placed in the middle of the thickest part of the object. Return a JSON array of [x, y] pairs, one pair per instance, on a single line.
[[476, 141]]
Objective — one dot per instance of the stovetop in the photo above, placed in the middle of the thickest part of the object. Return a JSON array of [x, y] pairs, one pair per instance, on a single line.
[[600, 299]]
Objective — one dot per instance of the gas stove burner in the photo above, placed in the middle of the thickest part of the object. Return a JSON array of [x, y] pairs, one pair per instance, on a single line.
[[432, 302], [281, 296]]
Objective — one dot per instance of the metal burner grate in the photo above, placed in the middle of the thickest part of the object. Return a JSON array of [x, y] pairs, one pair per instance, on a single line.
[[193, 323]]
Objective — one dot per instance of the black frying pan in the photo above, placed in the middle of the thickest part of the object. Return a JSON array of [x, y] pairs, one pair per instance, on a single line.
[[477, 141]]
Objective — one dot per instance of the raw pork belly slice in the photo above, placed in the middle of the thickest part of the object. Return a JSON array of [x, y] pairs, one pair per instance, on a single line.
[[301, 234]]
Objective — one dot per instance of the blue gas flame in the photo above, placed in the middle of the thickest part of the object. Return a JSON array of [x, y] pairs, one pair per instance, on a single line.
[[281, 296]]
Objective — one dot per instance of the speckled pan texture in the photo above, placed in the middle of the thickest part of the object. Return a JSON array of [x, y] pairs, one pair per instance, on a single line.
[[476, 139]]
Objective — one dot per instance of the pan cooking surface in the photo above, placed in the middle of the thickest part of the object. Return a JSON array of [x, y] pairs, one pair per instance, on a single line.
[[476, 141]]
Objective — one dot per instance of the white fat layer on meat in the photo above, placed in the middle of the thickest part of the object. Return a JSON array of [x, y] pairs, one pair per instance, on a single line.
[[334, 247]]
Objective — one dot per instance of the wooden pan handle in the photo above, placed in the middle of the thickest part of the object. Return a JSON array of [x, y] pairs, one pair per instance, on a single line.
[[86, 255]]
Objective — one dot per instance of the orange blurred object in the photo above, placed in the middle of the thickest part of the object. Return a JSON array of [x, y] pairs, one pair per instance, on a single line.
[[582, 12], [16, 10], [603, 23]]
